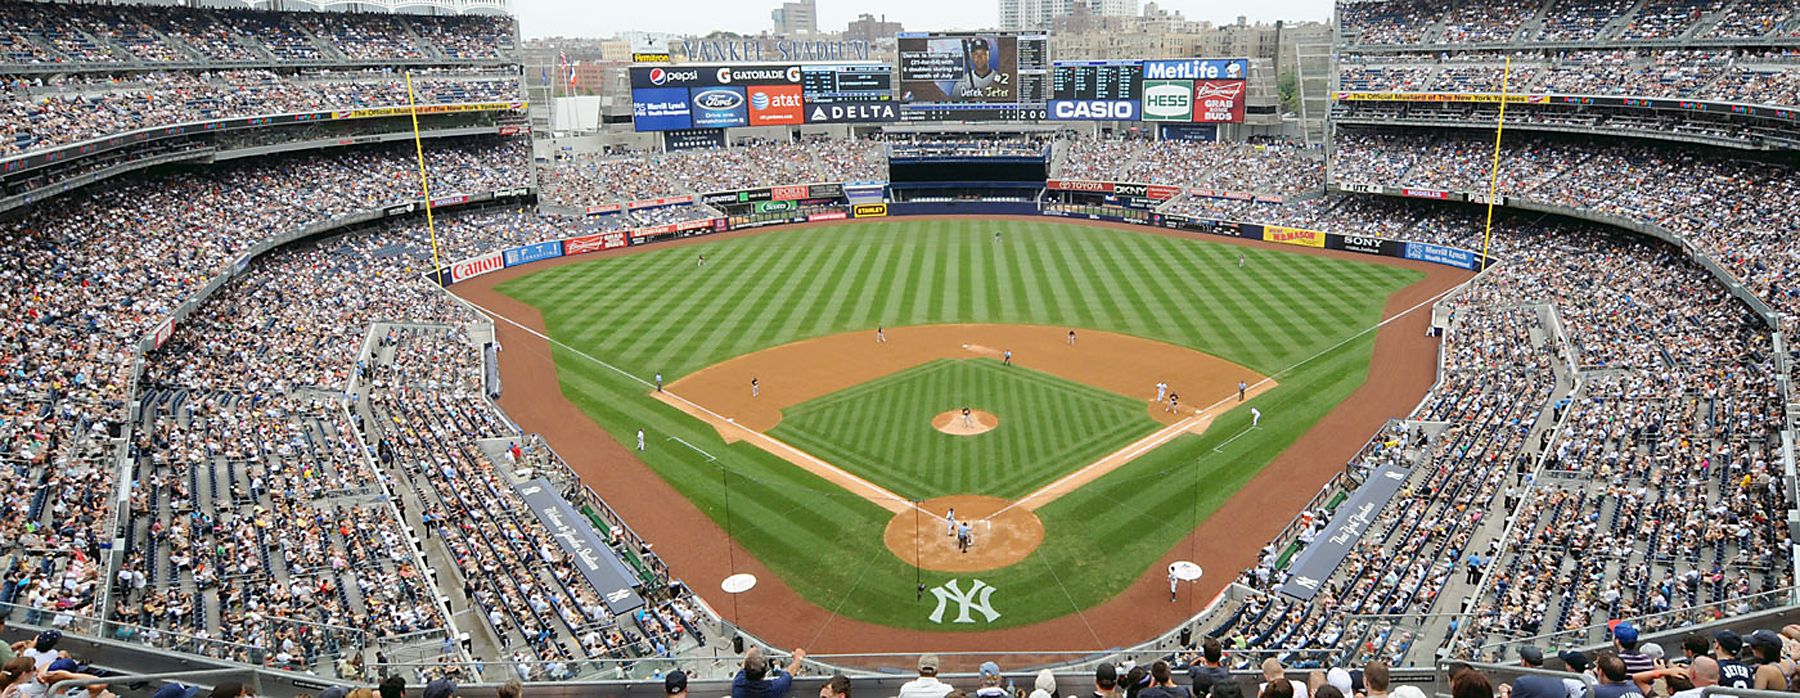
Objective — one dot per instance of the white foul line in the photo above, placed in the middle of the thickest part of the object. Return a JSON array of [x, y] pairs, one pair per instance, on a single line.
[[753, 435]]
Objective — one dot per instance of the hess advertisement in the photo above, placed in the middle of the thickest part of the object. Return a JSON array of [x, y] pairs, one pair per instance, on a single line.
[[972, 68]]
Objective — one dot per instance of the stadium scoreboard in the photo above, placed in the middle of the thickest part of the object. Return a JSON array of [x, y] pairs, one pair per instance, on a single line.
[[1096, 90], [681, 97], [973, 76]]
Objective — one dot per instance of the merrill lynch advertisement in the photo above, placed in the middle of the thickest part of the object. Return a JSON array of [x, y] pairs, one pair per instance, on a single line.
[[1439, 254]]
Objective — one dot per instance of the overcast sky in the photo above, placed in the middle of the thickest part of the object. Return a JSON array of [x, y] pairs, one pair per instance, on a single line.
[[595, 18]]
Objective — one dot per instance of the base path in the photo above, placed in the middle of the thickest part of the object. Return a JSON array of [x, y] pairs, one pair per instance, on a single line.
[[924, 537], [1401, 371], [811, 368]]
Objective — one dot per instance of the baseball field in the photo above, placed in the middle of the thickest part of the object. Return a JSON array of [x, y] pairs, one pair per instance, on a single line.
[[849, 443]]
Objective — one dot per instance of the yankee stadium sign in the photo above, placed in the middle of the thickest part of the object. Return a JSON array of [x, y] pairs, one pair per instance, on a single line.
[[773, 49]]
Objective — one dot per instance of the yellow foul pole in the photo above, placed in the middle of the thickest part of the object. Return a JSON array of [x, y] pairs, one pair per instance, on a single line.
[[425, 182], [1494, 175]]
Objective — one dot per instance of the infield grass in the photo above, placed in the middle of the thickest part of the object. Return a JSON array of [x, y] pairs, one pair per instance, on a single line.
[[882, 429], [657, 311]]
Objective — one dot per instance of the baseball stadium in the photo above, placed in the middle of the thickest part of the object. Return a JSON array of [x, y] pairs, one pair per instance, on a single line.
[[1416, 347]]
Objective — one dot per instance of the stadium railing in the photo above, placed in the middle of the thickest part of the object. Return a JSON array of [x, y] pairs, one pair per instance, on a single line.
[[1776, 602]]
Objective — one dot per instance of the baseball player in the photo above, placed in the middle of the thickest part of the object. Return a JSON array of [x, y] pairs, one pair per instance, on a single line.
[[1255, 417], [968, 418], [1174, 402], [880, 335], [1173, 584], [640, 439], [701, 262], [1006, 358], [1241, 388], [1240, 260], [659, 381], [755, 388], [964, 536], [950, 522], [1162, 390], [1071, 337]]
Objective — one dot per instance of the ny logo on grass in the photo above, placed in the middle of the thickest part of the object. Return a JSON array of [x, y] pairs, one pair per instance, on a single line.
[[978, 599]]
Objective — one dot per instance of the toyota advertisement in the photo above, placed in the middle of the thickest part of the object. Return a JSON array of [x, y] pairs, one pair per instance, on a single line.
[[674, 98]]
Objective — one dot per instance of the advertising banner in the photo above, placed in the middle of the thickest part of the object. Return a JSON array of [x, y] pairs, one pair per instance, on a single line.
[[604, 209], [776, 105], [598, 563], [594, 243], [476, 266], [719, 107], [774, 206], [1079, 185], [1189, 132], [1169, 100], [660, 201], [828, 216], [869, 211], [688, 76], [164, 330], [1425, 194], [662, 109], [1439, 254], [1294, 236], [788, 192], [825, 191], [1219, 101], [1351, 520], [746, 196], [535, 252], [864, 113], [424, 109], [1198, 69], [1093, 110], [1364, 245]]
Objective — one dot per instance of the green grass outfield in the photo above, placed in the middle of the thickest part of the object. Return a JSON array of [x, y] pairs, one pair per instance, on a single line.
[[881, 430], [656, 311]]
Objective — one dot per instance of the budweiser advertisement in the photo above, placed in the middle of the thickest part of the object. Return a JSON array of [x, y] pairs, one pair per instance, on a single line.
[[1219, 101], [594, 243]]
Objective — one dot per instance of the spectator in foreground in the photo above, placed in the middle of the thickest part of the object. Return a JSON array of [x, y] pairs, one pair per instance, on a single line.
[[675, 684], [838, 686], [1272, 672], [1045, 685], [753, 681], [1625, 639], [1471, 684], [393, 687], [1765, 648], [1533, 686], [1106, 680], [1702, 672], [1615, 682], [1209, 670]]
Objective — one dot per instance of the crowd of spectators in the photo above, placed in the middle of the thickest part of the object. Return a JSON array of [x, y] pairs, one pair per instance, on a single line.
[[581, 180], [1270, 170], [90, 275], [1757, 76], [1406, 22], [46, 112], [86, 35], [1740, 211]]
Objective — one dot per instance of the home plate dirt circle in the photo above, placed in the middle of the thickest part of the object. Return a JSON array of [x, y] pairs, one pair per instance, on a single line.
[[1001, 537], [952, 423]]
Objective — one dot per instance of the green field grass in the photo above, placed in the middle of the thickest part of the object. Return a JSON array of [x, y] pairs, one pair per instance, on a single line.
[[657, 311], [881, 430]]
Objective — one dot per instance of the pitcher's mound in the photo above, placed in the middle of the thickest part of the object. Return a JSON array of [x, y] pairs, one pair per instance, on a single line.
[[952, 422], [1003, 534]]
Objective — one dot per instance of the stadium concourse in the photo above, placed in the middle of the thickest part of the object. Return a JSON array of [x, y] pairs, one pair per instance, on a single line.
[[305, 473]]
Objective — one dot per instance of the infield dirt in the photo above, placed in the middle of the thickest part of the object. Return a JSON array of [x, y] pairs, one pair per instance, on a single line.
[[1401, 370]]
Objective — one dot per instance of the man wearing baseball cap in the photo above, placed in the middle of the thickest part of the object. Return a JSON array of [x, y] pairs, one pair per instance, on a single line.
[[1733, 672], [1766, 648], [927, 685], [1625, 639], [675, 684], [1532, 685]]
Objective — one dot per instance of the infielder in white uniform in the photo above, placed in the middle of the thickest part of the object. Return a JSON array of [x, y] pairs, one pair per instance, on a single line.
[[1255, 417], [950, 522]]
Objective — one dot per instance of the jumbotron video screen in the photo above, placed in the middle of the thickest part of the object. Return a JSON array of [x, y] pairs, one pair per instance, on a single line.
[[973, 76]]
